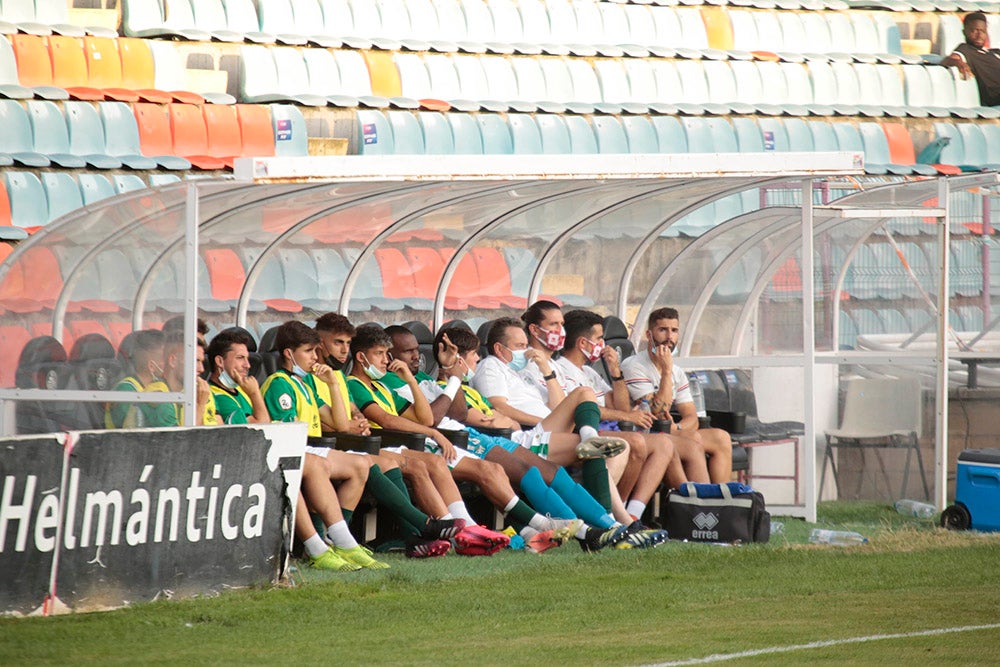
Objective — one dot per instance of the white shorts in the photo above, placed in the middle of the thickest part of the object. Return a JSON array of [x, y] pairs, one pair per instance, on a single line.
[[430, 445], [535, 439], [321, 452]]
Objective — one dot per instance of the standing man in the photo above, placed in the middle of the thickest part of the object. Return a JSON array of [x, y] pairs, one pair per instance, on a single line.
[[972, 58], [653, 376]]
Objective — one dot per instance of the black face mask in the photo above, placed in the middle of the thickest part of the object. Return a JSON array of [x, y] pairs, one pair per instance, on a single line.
[[333, 363]]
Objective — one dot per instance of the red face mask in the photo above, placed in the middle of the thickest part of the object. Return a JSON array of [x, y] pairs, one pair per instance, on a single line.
[[553, 340], [595, 351]]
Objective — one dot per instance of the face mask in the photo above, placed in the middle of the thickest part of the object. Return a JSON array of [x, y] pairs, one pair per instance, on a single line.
[[373, 372], [333, 362], [553, 340], [227, 381], [158, 375], [467, 375], [596, 350], [298, 370], [518, 360]]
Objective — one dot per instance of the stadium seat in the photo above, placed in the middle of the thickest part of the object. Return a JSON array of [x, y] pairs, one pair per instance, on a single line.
[[121, 134], [748, 136], [49, 134], [581, 135], [290, 135], [61, 193], [32, 75], [525, 135], [223, 132], [13, 339], [155, 136], [28, 203], [95, 187], [494, 277], [610, 135], [901, 150], [774, 135], [242, 19], [368, 289], [437, 136], [496, 135], [189, 137], [146, 18], [16, 138], [261, 80], [123, 183], [10, 86], [407, 137], [640, 134], [85, 135], [277, 18], [374, 133], [465, 285], [442, 76], [256, 130], [467, 135]]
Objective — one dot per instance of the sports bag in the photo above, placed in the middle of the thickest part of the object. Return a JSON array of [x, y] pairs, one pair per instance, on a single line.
[[730, 512]]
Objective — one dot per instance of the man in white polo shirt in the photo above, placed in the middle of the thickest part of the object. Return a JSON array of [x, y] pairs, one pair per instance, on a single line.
[[653, 376]]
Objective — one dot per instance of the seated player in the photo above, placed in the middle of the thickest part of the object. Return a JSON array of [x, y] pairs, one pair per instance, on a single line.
[[290, 394], [239, 401], [584, 345], [653, 376], [173, 380], [406, 409], [146, 359], [546, 485]]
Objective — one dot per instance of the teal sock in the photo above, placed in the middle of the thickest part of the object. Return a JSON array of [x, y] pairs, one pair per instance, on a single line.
[[587, 413], [581, 502], [595, 481], [389, 495], [544, 499]]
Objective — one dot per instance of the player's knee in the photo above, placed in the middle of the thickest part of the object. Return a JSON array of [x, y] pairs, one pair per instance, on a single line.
[[638, 449], [583, 395]]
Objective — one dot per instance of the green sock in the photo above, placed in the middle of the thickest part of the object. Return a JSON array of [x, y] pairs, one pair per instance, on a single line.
[[396, 477], [595, 480], [587, 413], [347, 514], [318, 524], [520, 515], [389, 495]]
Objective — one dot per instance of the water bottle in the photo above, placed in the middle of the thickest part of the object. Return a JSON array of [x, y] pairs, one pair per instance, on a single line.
[[777, 528], [837, 538], [915, 508], [697, 395]]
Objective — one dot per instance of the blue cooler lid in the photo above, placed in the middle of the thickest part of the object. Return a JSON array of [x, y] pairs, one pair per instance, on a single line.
[[980, 456]]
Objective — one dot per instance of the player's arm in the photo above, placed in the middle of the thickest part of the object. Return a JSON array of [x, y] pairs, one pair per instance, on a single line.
[[248, 384], [374, 413], [618, 397], [419, 410], [501, 405], [333, 417], [689, 417]]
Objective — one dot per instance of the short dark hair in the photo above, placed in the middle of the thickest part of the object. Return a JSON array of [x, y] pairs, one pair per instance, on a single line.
[[293, 334], [536, 311], [368, 336], [464, 340], [335, 323], [971, 18], [176, 323], [397, 330], [223, 342], [662, 314], [143, 344], [498, 332], [578, 323]]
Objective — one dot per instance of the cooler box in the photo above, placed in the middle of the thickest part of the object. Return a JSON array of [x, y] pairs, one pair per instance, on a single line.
[[977, 489]]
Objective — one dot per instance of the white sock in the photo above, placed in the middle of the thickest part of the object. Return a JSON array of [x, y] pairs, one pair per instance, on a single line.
[[340, 535], [587, 432], [447, 516], [540, 523], [460, 511], [315, 546], [510, 505], [582, 533], [635, 508]]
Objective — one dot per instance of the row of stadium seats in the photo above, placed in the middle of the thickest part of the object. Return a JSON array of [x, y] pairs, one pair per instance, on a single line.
[[43, 17], [529, 26], [97, 68], [888, 147], [862, 320], [319, 77]]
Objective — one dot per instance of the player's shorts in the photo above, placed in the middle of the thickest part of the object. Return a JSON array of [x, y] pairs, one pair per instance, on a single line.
[[480, 443], [534, 439], [430, 445], [321, 452]]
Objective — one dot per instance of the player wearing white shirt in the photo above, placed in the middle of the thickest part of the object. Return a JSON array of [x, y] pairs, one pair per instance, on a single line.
[[652, 375], [584, 345]]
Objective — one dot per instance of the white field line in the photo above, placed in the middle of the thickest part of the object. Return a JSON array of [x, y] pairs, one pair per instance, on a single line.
[[721, 657]]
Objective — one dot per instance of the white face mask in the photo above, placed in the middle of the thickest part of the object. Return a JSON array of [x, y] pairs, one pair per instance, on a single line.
[[371, 371], [227, 381], [298, 370], [467, 375]]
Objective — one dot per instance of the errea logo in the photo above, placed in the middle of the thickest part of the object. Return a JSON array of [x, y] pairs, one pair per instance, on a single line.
[[705, 522]]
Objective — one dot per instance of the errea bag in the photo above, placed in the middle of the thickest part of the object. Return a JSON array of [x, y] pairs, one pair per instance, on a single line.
[[730, 512]]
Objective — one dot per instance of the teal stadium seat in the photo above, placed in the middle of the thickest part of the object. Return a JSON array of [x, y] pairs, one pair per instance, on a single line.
[[49, 134], [86, 135], [800, 139], [554, 134], [28, 203], [123, 183], [290, 135], [496, 135], [640, 134], [407, 137], [438, 139], [375, 135], [774, 135], [15, 137], [148, 18], [581, 135], [121, 134], [443, 77], [94, 188], [670, 136], [610, 135], [61, 193], [974, 143], [823, 136], [526, 137], [466, 132], [748, 136]]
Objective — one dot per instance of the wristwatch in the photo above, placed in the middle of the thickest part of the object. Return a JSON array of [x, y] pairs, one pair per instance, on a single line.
[[550, 376], [617, 378]]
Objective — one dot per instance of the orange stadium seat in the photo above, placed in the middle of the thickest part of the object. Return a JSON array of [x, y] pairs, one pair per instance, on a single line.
[[69, 67], [225, 273], [154, 129], [719, 27], [190, 136], [138, 72], [256, 132], [427, 266], [383, 73], [465, 283], [397, 279], [223, 127], [34, 65], [494, 277]]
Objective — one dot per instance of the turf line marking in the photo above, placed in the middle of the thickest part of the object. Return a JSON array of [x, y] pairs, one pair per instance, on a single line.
[[721, 657]]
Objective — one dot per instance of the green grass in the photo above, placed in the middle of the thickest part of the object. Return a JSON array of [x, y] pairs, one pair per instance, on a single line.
[[565, 607]]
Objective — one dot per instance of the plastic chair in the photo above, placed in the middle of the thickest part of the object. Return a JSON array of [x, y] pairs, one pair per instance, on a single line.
[[33, 62], [94, 187], [554, 134], [525, 135], [256, 130], [558, 82], [126, 183], [414, 80], [774, 135], [49, 134], [408, 138], [748, 136], [879, 414], [189, 136], [466, 132], [530, 79], [61, 193], [28, 203], [276, 18], [16, 137], [496, 135], [581, 135], [153, 128], [383, 74], [640, 134], [586, 87], [500, 79], [145, 18], [374, 133], [610, 135], [438, 139], [670, 135], [290, 136]]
